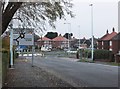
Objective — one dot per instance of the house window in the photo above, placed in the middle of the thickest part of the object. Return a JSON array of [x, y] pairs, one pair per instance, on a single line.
[[110, 46], [110, 43], [110, 49], [102, 44]]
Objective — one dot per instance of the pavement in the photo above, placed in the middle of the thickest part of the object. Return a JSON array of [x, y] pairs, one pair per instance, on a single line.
[[24, 75]]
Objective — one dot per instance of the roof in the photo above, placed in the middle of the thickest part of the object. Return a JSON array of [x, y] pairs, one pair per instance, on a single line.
[[117, 37], [60, 38], [44, 39], [110, 36], [102, 38]]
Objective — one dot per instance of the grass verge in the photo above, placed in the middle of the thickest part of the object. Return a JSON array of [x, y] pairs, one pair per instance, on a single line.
[[106, 63], [113, 64], [86, 60]]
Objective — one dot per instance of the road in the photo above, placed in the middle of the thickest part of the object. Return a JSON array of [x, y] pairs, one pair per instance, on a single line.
[[79, 74]]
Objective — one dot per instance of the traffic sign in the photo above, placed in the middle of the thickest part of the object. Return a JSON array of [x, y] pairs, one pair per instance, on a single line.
[[23, 36]]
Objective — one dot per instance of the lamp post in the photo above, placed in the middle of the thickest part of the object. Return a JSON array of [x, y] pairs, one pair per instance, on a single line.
[[11, 45], [92, 30], [69, 26], [79, 36]]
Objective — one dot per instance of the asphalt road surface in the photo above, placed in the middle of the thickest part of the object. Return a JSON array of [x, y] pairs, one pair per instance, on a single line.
[[77, 73]]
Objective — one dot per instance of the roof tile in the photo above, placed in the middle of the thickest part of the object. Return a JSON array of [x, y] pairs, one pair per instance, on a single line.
[[110, 36], [60, 38]]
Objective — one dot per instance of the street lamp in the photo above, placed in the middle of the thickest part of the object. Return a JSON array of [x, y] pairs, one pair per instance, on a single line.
[[79, 37], [69, 25], [11, 46], [92, 30]]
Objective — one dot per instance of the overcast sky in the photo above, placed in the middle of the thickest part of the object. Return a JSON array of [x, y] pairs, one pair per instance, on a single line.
[[105, 16]]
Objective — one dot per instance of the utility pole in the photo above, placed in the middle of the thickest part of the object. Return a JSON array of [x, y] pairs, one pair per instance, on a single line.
[[69, 26], [11, 45], [79, 36], [92, 31]]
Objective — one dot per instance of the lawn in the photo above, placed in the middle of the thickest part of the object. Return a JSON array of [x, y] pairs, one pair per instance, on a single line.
[[86, 60], [113, 64]]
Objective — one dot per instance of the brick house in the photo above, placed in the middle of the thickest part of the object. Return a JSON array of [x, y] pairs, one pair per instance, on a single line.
[[100, 41], [105, 42], [116, 43], [45, 42], [60, 42]]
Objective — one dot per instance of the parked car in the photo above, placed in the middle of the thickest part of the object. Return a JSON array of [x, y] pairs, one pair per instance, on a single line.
[[21, 48], [45, 49]]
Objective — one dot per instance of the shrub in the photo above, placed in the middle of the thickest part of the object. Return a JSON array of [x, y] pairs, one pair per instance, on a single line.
[[85, 53], [98, 54], [103, 54]]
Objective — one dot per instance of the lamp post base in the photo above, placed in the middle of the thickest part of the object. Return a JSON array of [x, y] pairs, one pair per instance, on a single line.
[[11, 67]]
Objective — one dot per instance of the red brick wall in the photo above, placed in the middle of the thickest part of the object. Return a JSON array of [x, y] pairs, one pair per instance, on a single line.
[[106, 45], [55, 44], [115, 46], [99, 44], [40, 43]]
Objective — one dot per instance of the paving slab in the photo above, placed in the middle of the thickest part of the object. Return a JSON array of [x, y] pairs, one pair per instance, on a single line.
[[24, 75]]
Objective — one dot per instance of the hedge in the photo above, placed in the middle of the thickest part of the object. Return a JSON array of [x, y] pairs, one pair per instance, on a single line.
[[104, 54], [98, 54]]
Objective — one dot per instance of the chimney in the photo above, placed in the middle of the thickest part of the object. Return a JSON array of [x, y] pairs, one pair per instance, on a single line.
[[107, 31], [113, 29], [84, 38], [60, 35]]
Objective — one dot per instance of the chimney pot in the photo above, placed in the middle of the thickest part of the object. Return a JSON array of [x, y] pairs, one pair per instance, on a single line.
[[113, 29], [107, 31]]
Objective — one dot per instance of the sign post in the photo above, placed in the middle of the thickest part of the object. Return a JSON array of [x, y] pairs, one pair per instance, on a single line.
[[32, 54], [11, 48], [33, 48]]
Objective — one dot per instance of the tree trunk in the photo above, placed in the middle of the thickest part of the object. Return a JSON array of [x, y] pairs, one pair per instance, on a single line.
[[9, 12]]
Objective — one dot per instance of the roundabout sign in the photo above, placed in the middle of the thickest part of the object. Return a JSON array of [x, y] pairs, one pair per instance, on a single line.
[[23, 36]]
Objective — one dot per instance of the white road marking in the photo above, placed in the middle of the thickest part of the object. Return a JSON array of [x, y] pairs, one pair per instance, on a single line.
[[37, 54]]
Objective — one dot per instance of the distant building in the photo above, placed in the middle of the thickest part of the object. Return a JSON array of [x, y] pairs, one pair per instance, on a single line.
[[45, 42], [60, 42], [105, 42], [84, 43]]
